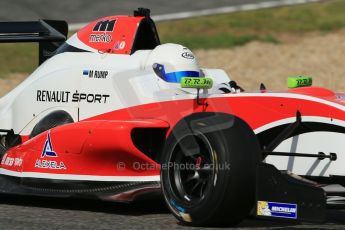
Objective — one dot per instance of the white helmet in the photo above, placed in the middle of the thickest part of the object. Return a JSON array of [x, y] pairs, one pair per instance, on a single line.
[[171, 62]]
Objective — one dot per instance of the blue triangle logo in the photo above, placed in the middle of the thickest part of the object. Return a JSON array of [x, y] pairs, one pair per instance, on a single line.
[[48, 148]]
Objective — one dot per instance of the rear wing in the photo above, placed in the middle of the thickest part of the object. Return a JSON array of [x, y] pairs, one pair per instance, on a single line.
[[50, 34]]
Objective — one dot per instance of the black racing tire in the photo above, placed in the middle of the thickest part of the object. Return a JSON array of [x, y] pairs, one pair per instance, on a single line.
[[3, 150], [220, 188], [52, 120]]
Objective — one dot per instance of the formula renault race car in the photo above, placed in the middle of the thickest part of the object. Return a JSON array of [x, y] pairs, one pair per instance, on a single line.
[[112, 114]]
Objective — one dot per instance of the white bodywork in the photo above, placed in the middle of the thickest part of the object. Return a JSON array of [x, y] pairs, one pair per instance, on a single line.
[[130, 81]]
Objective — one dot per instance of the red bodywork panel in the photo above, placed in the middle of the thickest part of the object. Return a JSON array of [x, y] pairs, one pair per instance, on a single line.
[[257, 111], [86, 148], [113, 34], [315, 92]]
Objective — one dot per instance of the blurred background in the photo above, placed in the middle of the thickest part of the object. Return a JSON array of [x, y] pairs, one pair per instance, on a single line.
[[253, 40]]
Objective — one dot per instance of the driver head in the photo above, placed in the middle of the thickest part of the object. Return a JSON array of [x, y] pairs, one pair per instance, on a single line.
[[171, 62]]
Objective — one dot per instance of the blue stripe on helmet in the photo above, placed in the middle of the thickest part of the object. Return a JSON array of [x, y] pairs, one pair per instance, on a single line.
[[176, 76]]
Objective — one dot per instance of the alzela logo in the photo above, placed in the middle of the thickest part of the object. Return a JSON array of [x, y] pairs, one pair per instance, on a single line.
[[49, 152], [48, 148]]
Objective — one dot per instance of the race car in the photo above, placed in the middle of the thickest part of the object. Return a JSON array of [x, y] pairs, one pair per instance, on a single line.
[[113, 114]]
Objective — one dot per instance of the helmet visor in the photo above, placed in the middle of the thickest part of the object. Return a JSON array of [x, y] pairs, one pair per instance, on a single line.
[[173, 77]]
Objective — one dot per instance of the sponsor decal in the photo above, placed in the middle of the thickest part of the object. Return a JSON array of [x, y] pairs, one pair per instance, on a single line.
[[120, 45], [104, 26], [179, 208], [181, 212], [90, 98], [187, 55], [48, 148], [11, 161], [95, 74], [52, 96], [66, 96], [46, 164], [274, 209], [49, 152], [105, 38]]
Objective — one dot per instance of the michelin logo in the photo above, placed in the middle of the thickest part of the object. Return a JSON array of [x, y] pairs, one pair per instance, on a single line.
[[274, 209]]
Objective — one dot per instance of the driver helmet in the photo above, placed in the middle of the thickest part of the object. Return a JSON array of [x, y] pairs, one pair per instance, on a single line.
[[171, 62]]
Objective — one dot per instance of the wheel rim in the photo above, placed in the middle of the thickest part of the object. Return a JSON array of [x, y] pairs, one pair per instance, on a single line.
[[191, 171]]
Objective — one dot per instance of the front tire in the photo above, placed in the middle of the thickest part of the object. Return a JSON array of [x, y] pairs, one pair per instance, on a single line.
[[208, 169]]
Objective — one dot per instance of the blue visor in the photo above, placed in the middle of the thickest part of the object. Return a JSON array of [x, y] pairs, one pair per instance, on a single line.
[[173, 77]]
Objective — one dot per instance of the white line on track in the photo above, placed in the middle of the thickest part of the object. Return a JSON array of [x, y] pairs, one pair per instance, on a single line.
[[220, 10]]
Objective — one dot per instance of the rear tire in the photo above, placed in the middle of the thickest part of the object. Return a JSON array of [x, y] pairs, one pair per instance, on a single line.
[[208, 169], [3, 150], [52, 120]]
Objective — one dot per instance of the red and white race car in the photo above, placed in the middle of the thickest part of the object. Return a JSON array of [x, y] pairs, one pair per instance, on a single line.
[[112, 114]]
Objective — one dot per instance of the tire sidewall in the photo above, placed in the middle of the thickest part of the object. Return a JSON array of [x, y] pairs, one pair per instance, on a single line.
[[241, 173]]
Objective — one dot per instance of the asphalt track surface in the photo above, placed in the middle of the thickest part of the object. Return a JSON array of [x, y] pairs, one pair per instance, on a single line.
[[76, 11], [22, 212]]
